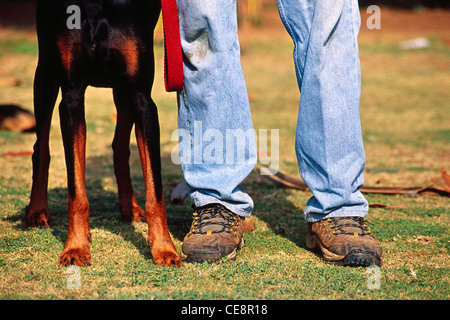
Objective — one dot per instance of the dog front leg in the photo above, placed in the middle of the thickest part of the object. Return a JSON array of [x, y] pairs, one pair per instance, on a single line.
[[147, 137], [73, 127]]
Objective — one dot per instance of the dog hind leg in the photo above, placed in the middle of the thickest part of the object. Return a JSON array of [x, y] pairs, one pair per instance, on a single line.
[[45, 94], [129, 207], [46, 89]]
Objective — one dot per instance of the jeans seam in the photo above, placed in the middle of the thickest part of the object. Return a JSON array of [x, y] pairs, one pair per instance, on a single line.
[[291, 33]]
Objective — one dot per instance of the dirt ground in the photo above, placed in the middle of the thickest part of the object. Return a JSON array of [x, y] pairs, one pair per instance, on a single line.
[[395, 24], [20, 17]]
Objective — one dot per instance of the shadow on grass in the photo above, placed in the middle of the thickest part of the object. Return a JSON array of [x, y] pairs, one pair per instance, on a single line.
[[282, 217], [104, 210], [279, 209]]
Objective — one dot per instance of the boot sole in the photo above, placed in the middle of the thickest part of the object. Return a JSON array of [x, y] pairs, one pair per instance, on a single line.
[[210, 256], [355, 258]]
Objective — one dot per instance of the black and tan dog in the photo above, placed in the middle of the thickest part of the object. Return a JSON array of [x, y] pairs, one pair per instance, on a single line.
[[113, 47]]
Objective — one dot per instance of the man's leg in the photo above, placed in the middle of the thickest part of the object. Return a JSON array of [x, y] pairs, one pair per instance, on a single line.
[[216, 137], [329, 143]]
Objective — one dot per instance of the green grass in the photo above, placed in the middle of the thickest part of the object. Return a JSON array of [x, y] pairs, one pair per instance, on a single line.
[[18, 46], [406, 135]]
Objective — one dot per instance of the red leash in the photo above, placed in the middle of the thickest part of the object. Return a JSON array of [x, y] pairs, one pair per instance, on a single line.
[[173, 57]]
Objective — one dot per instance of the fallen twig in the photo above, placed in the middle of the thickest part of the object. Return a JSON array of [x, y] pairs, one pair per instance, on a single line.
[[267, 175], [16, 154]]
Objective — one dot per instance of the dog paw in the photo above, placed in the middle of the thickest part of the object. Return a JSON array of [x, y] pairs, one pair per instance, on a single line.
[[167, 257], [136, 215], [37, 219], [76, 256]]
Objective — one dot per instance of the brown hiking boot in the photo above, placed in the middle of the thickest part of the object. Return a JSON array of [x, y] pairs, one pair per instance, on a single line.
[[344, 241], [215, 233]]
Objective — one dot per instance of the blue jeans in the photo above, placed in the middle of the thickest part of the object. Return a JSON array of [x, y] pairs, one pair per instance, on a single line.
[[214, 105]]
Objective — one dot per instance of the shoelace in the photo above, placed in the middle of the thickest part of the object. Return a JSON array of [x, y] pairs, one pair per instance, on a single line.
[[341, 225], [208, 217]]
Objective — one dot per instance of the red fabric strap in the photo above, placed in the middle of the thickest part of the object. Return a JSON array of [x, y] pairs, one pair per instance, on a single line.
[[173, 57]]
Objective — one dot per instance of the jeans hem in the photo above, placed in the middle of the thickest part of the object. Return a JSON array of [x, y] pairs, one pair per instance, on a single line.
[[314, 217]]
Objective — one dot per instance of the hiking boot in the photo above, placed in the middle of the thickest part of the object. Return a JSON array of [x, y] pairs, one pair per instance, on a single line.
[[215, 233], [344, 241]]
